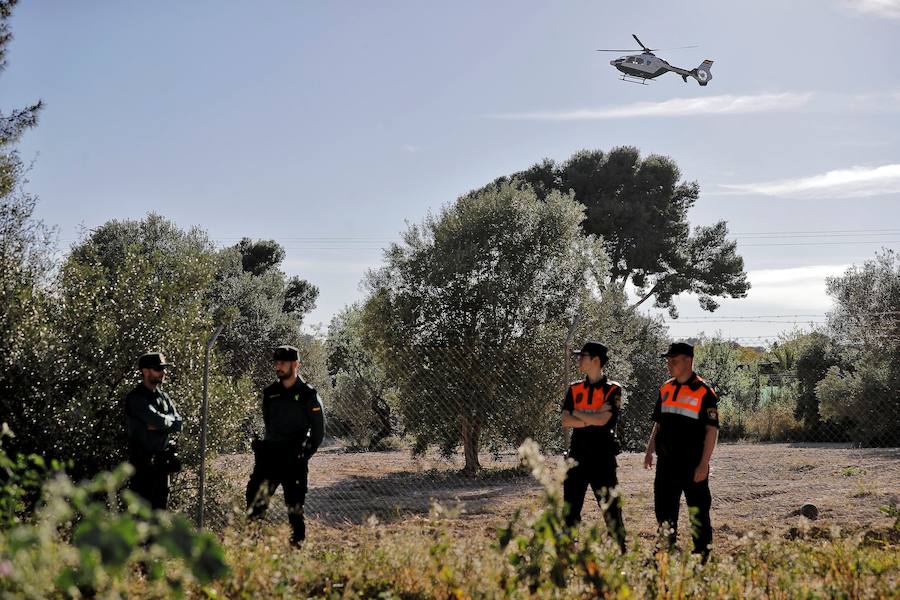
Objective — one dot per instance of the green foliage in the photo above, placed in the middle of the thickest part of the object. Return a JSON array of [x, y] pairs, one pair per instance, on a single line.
[[472, 299], [129, 288], [815, 355], [26, 251], [14, 124], [82, 544], [865, 323], [27, 336], [638, 208], [772, 420], [545, 554], [267, 307], [892, 510], [364, 404], [21, 477], [735, 376], [258, 257]]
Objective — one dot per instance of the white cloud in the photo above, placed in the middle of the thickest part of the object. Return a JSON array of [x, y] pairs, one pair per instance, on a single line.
[[873, 101], [677, 107], [880, 8], [779, 300], [792, 288], [854, 182]]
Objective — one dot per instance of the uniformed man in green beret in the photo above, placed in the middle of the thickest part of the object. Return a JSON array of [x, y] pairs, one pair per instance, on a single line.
[[151, 419], [295, 426]]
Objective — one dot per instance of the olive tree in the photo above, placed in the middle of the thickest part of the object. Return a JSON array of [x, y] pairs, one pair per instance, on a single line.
[[470, 311]]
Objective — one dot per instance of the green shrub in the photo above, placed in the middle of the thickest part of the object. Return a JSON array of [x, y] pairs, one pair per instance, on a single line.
[[84, 539]]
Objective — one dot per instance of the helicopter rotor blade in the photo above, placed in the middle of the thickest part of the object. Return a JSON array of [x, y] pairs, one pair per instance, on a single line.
[[676, 48], [640, 43], [619, 50]]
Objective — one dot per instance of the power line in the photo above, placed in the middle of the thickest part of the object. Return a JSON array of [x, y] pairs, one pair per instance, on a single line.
[[819, 232], [823, 243], [773, 316]]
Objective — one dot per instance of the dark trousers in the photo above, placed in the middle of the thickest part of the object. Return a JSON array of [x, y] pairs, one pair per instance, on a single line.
[[150, 482], [291, 473], [601, 476], [671, 481]]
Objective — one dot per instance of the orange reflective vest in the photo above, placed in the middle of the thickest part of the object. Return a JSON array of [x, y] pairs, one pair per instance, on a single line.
[[585, 400], [681, 399]]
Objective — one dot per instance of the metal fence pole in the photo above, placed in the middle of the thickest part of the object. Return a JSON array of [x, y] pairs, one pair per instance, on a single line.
[[209, 343], [567, 357]]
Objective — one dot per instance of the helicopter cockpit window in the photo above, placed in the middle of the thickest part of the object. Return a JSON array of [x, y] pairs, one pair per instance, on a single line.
[[639, 61]]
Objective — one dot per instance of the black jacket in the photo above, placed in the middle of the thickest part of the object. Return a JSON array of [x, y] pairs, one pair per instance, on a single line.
[[294, 416], [145, 408]]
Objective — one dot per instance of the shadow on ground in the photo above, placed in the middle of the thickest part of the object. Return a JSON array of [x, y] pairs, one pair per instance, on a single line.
[[393, 496]]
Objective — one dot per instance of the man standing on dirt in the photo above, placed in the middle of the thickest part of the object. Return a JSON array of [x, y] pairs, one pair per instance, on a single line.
[[684, 436], [295, 426], [591, 408], [151, 418]]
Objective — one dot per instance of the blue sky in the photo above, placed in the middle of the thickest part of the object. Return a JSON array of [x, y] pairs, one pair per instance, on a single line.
[[327, 126]]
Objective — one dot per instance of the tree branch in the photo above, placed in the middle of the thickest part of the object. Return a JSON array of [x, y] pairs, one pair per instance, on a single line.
[[646, 296]]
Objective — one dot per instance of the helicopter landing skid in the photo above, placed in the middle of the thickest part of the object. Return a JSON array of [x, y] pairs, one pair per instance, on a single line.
[[633, 79]]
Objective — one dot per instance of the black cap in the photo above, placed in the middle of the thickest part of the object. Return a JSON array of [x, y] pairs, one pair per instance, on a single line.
[[153, 360], [679, 349], [594, 349], [286, 353]]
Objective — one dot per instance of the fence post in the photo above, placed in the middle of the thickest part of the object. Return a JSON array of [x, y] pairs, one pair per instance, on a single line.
[[209, 343], [567, 353]]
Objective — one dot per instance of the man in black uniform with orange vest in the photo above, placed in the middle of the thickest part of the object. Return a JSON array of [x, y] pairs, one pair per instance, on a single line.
[[591, 408], [684, 436], [295, 426]]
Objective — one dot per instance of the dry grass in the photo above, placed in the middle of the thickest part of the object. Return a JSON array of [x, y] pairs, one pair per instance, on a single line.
[[756, 488]]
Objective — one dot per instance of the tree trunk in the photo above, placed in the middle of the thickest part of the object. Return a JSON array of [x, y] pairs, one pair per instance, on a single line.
[[471, 434], [383, 413]]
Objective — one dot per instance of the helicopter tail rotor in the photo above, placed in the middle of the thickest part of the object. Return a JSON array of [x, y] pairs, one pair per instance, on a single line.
[[703, 73]]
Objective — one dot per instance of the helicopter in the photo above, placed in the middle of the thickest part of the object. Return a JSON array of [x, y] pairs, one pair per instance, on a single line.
[[638, 68]]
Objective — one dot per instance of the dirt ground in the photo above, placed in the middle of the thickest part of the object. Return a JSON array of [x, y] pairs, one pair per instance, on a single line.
[[755, 488]]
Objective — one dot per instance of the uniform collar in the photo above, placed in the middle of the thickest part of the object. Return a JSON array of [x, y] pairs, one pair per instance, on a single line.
[[691, 382], [600, 382], [148, 392], [298, 383]]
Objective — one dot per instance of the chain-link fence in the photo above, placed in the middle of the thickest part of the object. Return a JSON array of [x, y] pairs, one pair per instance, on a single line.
[[442, 424]]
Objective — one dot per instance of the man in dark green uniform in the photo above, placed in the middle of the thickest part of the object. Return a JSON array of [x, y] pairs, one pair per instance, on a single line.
[[295, 426], [151, 419], [591, 408]]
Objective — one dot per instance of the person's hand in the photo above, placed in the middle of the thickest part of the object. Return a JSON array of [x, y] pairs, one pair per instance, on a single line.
[[304, 453], [648, 459], [701, 472]]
